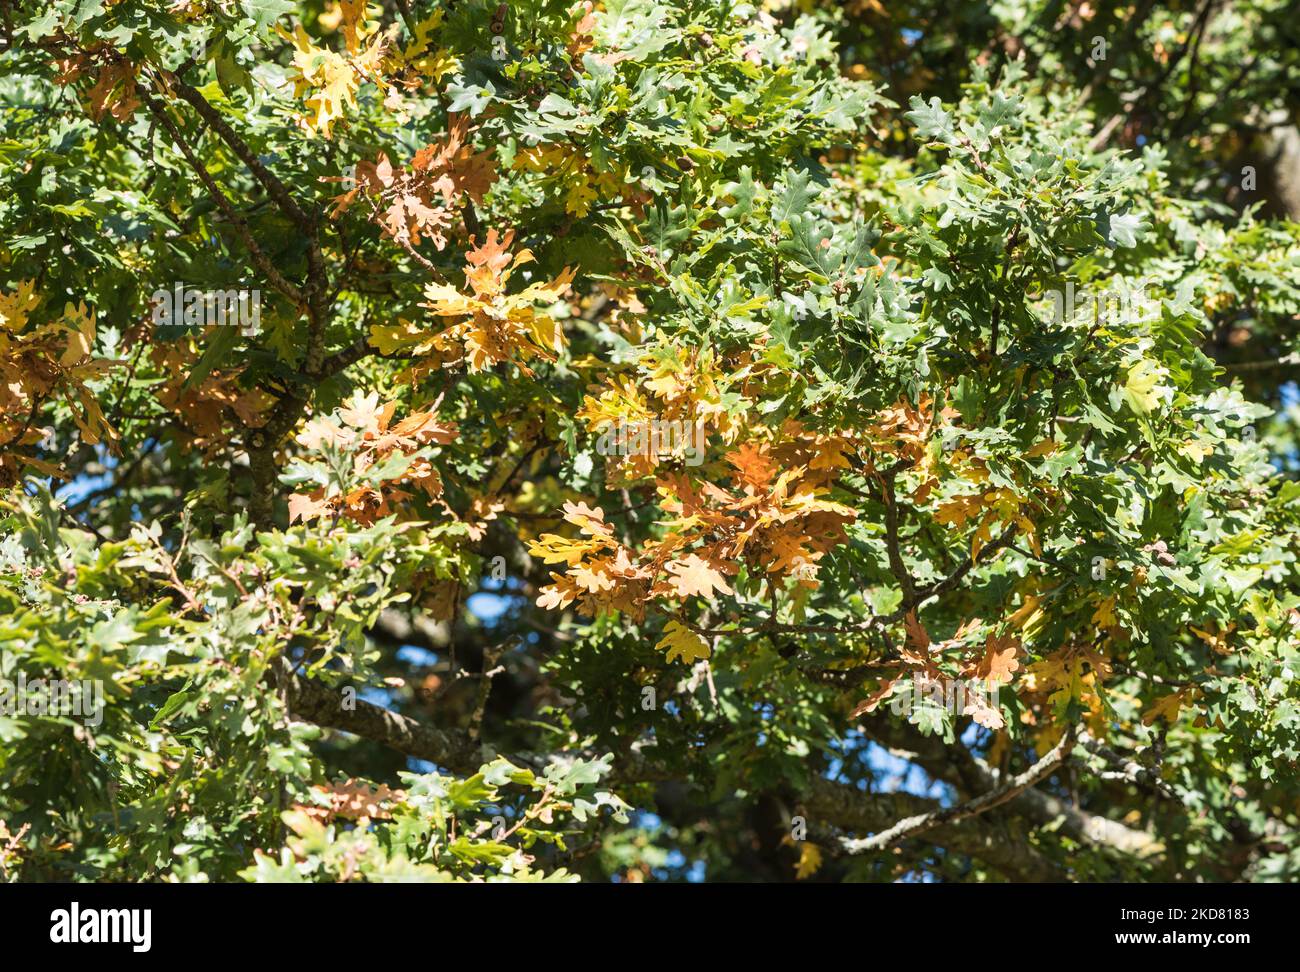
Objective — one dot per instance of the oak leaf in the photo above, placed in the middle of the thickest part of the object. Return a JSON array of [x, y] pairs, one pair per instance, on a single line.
[[1166, 707], [999, 660], [694, 575], [681, 643]]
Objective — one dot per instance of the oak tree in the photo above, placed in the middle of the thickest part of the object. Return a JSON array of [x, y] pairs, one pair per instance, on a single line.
[[648, 440]]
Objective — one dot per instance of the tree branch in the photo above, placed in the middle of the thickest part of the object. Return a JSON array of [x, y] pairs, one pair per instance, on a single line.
[[961, 768], [268, 268], [891, 536], [311, 701], [273, 186], [920, 823], [993, 841]]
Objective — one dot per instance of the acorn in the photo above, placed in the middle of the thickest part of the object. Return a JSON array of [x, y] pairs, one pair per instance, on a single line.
[[685, 164], [705, 41], [497, 27]]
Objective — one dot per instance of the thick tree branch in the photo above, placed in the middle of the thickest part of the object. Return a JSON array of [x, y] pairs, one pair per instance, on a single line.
[[273, 186], [397, 628], [942, 587], [1127, 769], [996, 842], [961, 768], [920, 823], [311, 701], [896, 564], [264, 263]]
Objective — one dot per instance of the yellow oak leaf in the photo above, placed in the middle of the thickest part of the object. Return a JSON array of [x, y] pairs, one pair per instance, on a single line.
[[555, 549], [592, 580], [1142, 388], [495, 325], [365, 412], [559, 594], [330, 79], [1027, 614], [682, 643], [1104, 614], [589, 520], [1217, 640], [1166, 708], [810, 860]]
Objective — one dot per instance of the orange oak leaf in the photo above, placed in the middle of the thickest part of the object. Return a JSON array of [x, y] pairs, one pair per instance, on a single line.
[[917, 636], [999, 659], [870, 703], [694, 575]]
